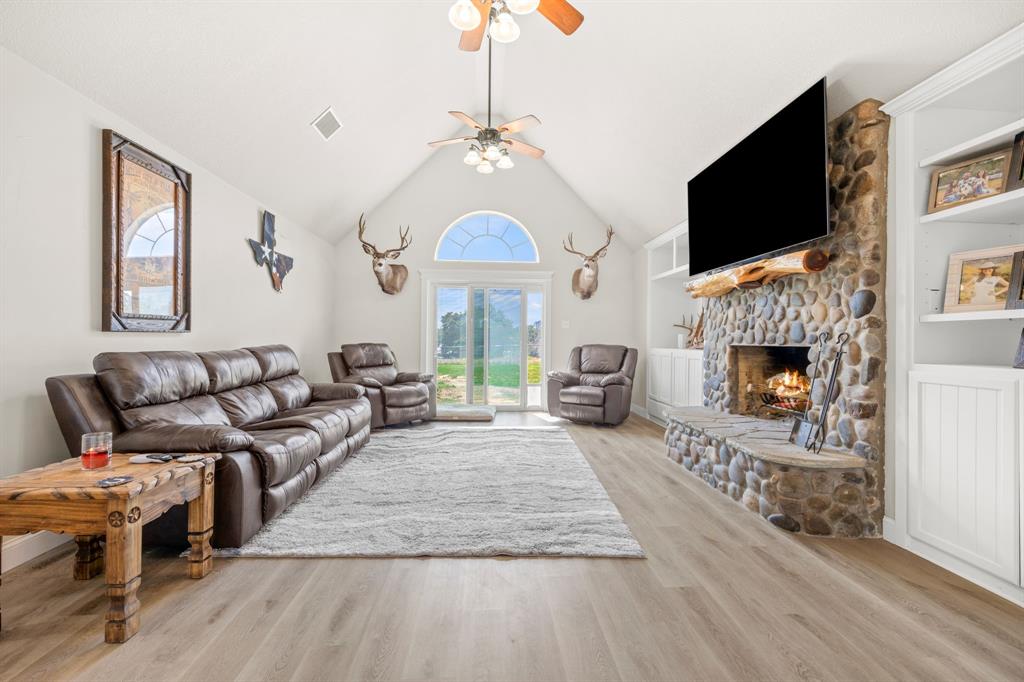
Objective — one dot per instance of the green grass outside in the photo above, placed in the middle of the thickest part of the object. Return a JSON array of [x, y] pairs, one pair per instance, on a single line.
[[503, 375]]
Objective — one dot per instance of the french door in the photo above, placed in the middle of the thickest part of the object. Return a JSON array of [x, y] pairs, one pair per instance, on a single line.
[[488, 344]]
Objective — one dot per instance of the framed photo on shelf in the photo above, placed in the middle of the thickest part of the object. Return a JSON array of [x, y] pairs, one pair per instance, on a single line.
[[1018, 361], [1015, 297], [967, 181], [980, 280], [1016, 177]]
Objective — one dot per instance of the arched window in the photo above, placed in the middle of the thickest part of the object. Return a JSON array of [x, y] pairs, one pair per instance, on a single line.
[[487, 236]]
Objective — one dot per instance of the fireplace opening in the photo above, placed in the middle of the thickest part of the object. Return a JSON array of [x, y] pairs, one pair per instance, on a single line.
[[769, 381]]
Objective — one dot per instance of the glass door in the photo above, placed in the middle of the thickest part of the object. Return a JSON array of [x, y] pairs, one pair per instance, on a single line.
[[489, 345]]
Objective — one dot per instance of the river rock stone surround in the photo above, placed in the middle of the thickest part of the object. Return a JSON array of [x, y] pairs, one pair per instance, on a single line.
[[848, 296]]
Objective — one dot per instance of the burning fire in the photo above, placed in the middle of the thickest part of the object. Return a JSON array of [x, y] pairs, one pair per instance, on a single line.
[[789, 384]]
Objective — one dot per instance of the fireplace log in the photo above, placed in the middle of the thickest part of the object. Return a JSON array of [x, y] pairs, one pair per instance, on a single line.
[[753, 275]]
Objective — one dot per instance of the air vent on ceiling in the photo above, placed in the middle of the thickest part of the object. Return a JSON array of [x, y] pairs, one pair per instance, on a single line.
[[327, 123]]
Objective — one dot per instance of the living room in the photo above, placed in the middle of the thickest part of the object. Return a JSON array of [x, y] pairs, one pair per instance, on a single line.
[[423, 340]]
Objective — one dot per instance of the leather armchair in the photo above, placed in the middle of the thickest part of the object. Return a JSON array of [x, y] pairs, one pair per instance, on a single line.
[[395, 397], [598, 386]]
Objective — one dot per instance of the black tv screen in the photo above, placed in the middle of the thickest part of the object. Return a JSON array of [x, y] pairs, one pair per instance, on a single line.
[[768, 193]]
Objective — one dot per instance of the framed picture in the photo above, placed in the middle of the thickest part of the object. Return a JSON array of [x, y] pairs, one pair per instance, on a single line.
[[1018, 360], [1015, 297], [1016, 178], [147, 222], [980, 280], [968, 181]]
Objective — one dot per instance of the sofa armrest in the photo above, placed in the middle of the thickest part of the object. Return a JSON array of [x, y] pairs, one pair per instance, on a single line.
[[368, 382], [618, 379], [407, 377], [337, 391], [564, 378], [182, 438]]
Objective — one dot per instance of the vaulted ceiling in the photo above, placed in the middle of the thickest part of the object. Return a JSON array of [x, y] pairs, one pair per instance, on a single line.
[[644, 95]]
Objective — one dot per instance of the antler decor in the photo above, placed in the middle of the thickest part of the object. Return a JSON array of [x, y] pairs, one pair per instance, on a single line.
[[584, 279], [753, 275], [390, 276], [696, 329]]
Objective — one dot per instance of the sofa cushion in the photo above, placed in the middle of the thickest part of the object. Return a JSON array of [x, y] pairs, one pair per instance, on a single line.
[[275, 361], [150, 377], [283, 453], [601, 359], [330, 425], [290, 392], [277, 498], [374, 360], [405, 395], [358, 412], [248, 404], [582, 395], [230, 369], [202, 409]]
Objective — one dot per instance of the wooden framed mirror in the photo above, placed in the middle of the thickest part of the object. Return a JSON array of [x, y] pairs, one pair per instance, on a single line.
[[147, 223]]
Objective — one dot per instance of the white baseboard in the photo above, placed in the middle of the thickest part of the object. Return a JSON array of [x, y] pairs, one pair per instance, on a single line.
[[639, 410], [23, 548]]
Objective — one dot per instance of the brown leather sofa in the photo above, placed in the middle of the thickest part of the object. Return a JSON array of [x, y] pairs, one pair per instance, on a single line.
[[598, 386], [395, 397], [278, 433]]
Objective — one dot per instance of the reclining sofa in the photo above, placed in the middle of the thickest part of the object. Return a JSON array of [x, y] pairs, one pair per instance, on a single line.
[[395, 397], [278, 433], [597, 388]]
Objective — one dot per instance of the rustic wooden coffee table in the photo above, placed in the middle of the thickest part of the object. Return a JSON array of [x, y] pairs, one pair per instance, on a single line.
[[64, 498]]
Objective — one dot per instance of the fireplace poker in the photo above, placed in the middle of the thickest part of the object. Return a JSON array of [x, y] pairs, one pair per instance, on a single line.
[[803, 428], [818, 440]]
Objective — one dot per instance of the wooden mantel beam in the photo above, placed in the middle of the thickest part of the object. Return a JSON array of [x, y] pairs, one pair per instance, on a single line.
[[758, 273]]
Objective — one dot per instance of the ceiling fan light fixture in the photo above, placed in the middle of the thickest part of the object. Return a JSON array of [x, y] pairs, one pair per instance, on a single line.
[[472, 157], [522, 6], [492, 153], [505, 162], [485, 168], [504, 28], [464, 15]]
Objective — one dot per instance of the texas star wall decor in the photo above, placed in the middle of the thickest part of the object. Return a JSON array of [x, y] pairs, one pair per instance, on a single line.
[[265, 253]]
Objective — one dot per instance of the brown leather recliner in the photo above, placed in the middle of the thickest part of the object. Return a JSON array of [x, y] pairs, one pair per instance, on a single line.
[[395, 397], [598, 386], [278, 433]]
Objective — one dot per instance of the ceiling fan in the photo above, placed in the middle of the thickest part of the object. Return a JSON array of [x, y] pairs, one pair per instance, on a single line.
[[474, 17], [490, 145]]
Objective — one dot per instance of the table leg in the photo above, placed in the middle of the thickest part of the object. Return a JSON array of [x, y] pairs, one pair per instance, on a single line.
[[200, 527], [1, 581], [124, 566], [89, 558]]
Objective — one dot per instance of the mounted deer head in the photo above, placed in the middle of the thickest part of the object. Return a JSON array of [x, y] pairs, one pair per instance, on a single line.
[[390, 277], [584, 279]]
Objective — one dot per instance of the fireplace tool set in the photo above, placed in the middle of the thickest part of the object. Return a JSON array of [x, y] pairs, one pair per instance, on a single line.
[[809, 434]]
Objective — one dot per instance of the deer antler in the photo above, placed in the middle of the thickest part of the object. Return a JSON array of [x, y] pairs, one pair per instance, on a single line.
[[572, 248], [362, 231], [607, 243], [405, 239]]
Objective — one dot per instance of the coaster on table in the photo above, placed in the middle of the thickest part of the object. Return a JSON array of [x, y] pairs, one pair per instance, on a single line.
[[113, 480], [188, 459]]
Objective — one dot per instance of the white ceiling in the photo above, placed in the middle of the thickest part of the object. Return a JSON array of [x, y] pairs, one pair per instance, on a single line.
[[645, 94]]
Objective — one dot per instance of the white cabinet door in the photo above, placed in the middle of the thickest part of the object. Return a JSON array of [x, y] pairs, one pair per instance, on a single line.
[[659, 376], [695, 382], [963, 487], [680, 380]]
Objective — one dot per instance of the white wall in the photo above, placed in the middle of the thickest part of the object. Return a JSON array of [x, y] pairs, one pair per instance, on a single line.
[[50, 269], [442, 190]]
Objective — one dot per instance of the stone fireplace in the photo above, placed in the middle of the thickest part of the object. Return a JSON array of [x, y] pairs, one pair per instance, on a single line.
[[768, 381], [740, 447]]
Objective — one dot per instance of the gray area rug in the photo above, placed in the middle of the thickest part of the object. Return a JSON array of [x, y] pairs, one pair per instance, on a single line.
[[453, 492]]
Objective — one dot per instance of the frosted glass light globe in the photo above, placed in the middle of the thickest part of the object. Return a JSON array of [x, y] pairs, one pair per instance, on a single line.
[[464, 15], [472, 157], [493, 153], [504, 30], [522, 6], [485, 168], [505, 162]]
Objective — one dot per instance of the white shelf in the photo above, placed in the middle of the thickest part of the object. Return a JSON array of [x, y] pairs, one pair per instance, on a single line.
[[994, 139], [975, 316], [1002, 209], [682, 271]]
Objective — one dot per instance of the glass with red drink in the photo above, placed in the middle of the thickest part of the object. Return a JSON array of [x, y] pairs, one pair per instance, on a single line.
[[96, 449]]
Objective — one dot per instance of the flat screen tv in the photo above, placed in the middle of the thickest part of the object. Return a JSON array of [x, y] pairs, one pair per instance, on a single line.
[[768, 193]]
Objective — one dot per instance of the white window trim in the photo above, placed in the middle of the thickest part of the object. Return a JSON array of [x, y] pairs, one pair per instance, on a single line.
[[432, 279], [455, 223]]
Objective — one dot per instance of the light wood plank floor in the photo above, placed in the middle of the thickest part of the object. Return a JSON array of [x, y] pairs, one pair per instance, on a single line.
[[722, 596]]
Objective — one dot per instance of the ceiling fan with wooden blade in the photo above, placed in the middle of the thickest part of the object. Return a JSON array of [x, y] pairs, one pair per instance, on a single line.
[[489, 144], [495, 18]]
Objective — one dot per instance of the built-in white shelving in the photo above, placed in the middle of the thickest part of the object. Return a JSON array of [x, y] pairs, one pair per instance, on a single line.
[[992, 139], [975, 316], [1002, 209], [678, 271]]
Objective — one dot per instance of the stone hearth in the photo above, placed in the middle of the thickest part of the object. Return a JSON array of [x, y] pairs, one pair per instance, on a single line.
[[839, 491], [752, 461]]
